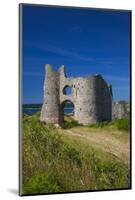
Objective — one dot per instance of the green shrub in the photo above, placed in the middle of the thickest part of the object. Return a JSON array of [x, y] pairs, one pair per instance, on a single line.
[[41, 183], [69, 124], [123, 124]]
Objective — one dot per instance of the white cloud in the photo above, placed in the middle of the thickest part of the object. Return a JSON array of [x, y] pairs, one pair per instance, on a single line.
[[66, 53]]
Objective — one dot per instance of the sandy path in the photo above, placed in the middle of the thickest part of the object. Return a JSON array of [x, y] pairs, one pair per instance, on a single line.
[[105, 141]]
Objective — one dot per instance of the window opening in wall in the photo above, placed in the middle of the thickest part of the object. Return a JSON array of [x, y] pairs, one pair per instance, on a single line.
[[67, 90]]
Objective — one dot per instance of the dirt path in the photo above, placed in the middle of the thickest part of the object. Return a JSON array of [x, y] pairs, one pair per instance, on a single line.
[[103, 140]]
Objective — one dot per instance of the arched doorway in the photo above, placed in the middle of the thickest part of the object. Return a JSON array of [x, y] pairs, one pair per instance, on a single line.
[[67, 110]]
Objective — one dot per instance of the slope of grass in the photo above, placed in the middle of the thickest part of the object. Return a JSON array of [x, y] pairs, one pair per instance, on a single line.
[[53, 163]]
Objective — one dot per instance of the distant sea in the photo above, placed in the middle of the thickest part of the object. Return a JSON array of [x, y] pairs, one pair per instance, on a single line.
[[31, 111]]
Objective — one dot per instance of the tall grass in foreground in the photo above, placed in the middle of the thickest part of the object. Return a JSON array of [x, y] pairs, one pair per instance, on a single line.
[[52, 164]]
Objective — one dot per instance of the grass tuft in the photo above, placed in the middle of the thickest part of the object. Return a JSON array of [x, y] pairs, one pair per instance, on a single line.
[[69, 124]]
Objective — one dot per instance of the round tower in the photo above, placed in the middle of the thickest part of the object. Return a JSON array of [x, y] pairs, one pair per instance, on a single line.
[[50, 109], [93, 100], [85, 103]]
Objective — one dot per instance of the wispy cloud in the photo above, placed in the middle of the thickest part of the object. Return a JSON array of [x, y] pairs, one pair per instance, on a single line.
[[70, 54], [66, 53]]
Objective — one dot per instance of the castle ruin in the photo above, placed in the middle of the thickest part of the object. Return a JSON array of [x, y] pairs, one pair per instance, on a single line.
[[91, 96], [120, 109]]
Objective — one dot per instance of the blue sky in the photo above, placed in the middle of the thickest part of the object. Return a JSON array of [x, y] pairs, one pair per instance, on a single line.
[[86, 41]]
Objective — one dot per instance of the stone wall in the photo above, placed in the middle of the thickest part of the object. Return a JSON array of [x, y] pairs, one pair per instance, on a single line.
[[120, 109]]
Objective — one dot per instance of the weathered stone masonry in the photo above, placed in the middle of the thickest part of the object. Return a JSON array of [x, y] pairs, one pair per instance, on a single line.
[[120, 109], [91, 96]]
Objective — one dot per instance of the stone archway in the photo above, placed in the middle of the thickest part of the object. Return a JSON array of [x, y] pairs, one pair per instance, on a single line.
[[67, 108]]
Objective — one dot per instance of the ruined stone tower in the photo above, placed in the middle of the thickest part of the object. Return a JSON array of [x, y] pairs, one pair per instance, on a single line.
[[91, 96]]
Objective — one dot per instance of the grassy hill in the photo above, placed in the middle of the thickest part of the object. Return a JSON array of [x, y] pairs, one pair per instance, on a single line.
[[75, 157]]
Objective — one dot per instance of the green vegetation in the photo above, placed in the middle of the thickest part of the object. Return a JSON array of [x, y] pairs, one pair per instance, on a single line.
[[121, 124], [67, 125], [53, 162]]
